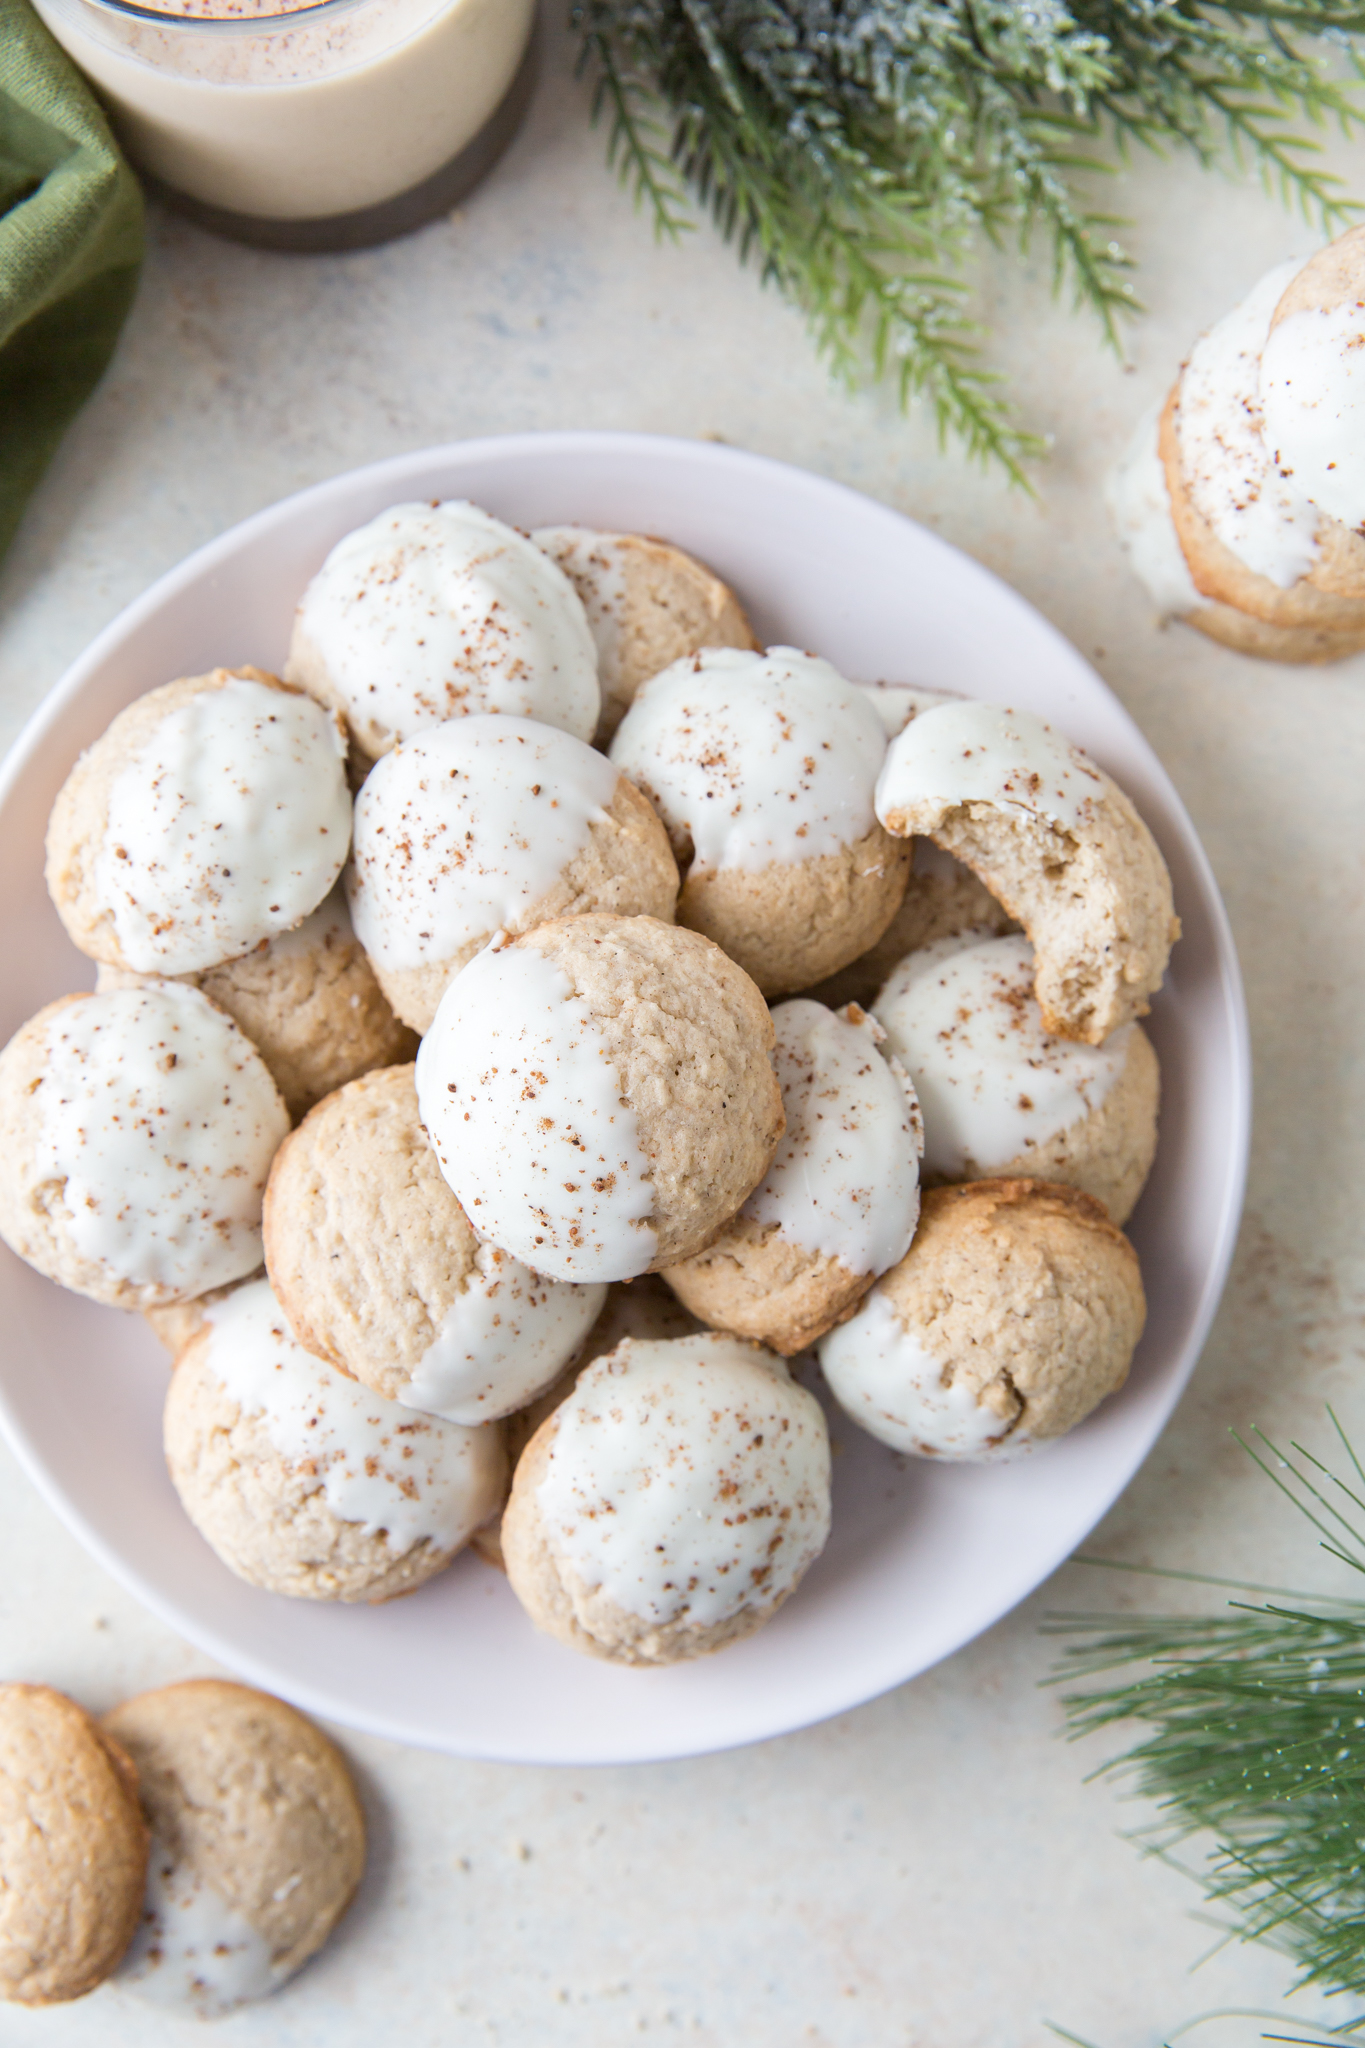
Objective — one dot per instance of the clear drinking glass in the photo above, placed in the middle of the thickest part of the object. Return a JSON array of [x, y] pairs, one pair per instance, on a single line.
[[329, 125]]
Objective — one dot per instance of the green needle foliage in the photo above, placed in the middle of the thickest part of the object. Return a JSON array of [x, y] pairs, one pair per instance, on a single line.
[[1255, 1733], [860, 151]]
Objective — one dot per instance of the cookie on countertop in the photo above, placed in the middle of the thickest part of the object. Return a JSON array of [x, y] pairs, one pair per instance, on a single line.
[[648, 605], [1016, 1310], [763, 768], [838, 1203], [305, 1482], [92, 1192], [73, 1848], [1001, 1097], [433, 611], [600, 1094], [1056, 841], [493, 824], [308, 1001], [375, 1265], [257, 1842], [715, 1466], [213, 813]]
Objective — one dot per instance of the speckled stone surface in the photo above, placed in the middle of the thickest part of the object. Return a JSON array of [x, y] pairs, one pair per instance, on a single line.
[[931, 1869]]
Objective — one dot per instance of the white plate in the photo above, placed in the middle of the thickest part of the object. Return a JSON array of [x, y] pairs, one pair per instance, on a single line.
[[922, 1557]]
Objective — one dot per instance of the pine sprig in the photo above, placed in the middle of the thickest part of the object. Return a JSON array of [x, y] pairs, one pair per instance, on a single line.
[[1255, 1735], [862, 152]]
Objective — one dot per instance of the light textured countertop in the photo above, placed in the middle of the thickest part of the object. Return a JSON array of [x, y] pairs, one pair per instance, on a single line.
[[931, 1869]]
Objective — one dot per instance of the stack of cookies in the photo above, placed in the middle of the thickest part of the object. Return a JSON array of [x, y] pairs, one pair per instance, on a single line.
[[563, 1000]]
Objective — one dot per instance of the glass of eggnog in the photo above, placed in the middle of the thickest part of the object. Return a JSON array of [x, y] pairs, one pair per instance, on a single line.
[[313, 126]]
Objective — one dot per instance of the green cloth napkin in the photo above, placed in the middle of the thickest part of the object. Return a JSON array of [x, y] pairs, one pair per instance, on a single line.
[[70, 248]]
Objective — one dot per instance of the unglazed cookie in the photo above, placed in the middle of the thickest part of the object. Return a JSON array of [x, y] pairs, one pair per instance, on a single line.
[[942, 899], [1015, 1311], [212, 814], [258, 1842], [136, 1133], [600, 1094], [308, 1001], [493, 824], [73, 1848], [305, 1482], [1003, 1098], [1055, 841], [432, 611], [671, 1503], [837, 1205], [763, 766], [378, 1271], [648, 605]]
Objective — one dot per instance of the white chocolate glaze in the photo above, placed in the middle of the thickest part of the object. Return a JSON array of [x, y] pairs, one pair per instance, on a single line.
[[161, 1119], [1227, 467], [433, 611], [1313, 401], [968, 753], [462, 830], [688, 1480], [525, 1111], [595, 564], [506, 1336], [192, 1948], [754, 758], [1139, 502], [381, 1465], [897, 703], [844, 1181], [882, 1376], [962, 1016], [323, 929], [230, 824]]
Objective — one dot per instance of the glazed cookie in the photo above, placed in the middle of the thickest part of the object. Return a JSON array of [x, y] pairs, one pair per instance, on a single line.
[[762, 766], [493, 824], [671, 1503], [1311, 387], [648, 605], [306, 1483], [1001, 1097], [1015, 1311], [212, 814], [73, 1848], [136, 1133], [436, 610], [837, 1205], [600, 1094], [258, 1842], [1055, 841], [308, 1001], [942, 899], [378, 1271]]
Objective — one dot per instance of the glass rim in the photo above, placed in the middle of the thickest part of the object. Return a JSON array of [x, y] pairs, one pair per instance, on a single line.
[[225, 24]]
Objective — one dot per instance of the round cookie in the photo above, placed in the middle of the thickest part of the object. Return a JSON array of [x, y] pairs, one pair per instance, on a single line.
[[1015, 1311], [763, 766], [1311, 392], [600, 1094], [378, 1271], [1001, 1097], [1055, 841], [305, 1482], [671, 1503], [839, 1201], [212, 814], [493, 824], [136, 1133], [648, 605], [433, 611], [73, 1848], [942, 899], [308, 1001], [258, 1842]]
